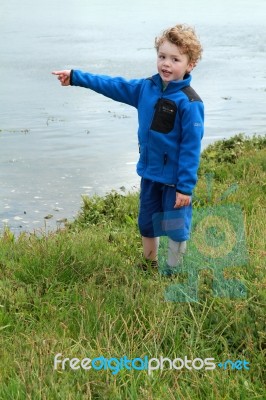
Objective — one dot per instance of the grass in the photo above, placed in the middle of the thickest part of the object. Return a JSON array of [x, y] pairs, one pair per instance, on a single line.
[[76, 292]]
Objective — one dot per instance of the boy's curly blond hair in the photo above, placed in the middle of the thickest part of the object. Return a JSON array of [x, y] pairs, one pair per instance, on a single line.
[[183, 36]]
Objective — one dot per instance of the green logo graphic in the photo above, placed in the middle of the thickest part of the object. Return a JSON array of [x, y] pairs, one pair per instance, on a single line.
[[217, 243]]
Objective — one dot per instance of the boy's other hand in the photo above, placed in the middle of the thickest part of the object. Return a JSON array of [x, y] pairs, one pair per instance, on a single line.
[[63, 76], [182, 200]]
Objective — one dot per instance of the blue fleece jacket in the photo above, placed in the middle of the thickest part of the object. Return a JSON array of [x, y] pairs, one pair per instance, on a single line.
[[170, 124]]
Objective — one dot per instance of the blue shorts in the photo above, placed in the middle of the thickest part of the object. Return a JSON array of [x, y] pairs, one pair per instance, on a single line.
[[157, 215]]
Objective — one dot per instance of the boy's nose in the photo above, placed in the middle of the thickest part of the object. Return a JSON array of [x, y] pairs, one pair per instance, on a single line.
[[166, 62]]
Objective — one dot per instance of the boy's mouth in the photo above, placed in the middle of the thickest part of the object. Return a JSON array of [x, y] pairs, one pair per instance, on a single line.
[[166, 72]]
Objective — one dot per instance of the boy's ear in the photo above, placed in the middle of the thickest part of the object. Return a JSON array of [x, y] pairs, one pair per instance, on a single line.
[[190, 67]]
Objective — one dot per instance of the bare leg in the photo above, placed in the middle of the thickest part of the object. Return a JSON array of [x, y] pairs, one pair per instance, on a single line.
[[150, 247], [176, 251]]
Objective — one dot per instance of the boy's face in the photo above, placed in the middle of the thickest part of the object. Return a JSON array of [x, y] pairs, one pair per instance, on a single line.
[[172, 64]]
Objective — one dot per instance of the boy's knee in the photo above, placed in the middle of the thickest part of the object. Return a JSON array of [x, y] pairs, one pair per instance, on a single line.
[[177, 247], [176, 251]]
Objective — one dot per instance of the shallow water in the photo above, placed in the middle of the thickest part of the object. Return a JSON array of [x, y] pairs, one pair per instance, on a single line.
[[59, 143]]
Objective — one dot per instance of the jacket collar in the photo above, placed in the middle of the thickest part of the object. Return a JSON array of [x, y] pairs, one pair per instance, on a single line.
[[172, 86]]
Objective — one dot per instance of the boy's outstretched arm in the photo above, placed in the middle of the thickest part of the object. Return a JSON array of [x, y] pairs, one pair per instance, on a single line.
[[116, 88], [63, 76]]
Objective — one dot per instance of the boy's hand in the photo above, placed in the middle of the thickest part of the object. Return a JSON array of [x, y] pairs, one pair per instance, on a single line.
[[63, 76], [182, 200]]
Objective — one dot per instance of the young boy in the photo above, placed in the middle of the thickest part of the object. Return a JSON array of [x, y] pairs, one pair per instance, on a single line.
[[170, 130]]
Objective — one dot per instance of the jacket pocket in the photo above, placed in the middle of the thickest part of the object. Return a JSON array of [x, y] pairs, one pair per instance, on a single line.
[[164, 116]]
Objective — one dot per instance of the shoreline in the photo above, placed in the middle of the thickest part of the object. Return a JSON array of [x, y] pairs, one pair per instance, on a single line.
[[54, 222]]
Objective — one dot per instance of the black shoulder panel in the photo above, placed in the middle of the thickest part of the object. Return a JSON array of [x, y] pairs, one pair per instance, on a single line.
[[191, 94]]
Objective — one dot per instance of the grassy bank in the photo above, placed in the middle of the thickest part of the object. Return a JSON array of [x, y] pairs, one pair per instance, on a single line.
[[76, 292]]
